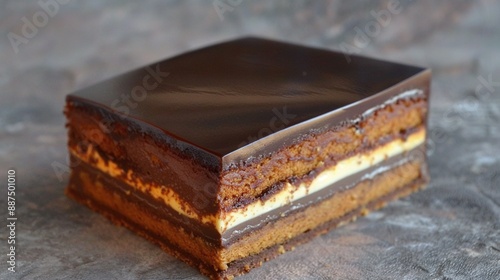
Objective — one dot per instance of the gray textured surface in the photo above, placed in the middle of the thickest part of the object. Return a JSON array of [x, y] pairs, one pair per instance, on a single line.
[[449, 231]]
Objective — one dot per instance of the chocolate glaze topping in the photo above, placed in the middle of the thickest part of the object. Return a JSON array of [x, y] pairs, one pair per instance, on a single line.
[[226, 104]]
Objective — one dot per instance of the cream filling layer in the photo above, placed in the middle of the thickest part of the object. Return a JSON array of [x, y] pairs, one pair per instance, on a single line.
[[160, 192], [289, 193]]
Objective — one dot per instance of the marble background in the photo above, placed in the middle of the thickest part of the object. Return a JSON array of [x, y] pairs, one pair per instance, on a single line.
[[449, 231]]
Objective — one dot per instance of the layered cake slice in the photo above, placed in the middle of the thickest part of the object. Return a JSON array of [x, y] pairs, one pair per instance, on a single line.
[[230, 155]]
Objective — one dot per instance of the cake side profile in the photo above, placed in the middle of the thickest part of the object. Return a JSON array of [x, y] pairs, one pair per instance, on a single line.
[[238, 152]]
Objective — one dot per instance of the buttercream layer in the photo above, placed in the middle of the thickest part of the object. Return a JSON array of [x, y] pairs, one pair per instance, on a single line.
[[402, 169], [297, 189], [292, 190]]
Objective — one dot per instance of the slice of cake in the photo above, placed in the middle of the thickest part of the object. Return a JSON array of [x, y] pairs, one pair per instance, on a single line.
[[230, 155]]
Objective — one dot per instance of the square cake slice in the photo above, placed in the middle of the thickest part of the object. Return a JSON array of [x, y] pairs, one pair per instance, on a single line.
[[230, 155]]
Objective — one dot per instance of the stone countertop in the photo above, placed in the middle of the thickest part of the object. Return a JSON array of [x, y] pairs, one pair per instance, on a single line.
[[451, 230]]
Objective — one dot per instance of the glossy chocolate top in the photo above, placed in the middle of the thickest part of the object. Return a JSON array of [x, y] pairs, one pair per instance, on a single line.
[[245, 98]]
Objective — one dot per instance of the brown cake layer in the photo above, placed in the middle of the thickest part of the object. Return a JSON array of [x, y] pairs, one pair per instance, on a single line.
[[107, 195], [156, 163]]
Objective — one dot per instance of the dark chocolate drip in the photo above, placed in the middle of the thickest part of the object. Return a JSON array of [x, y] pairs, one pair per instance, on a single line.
[[226, 104]]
